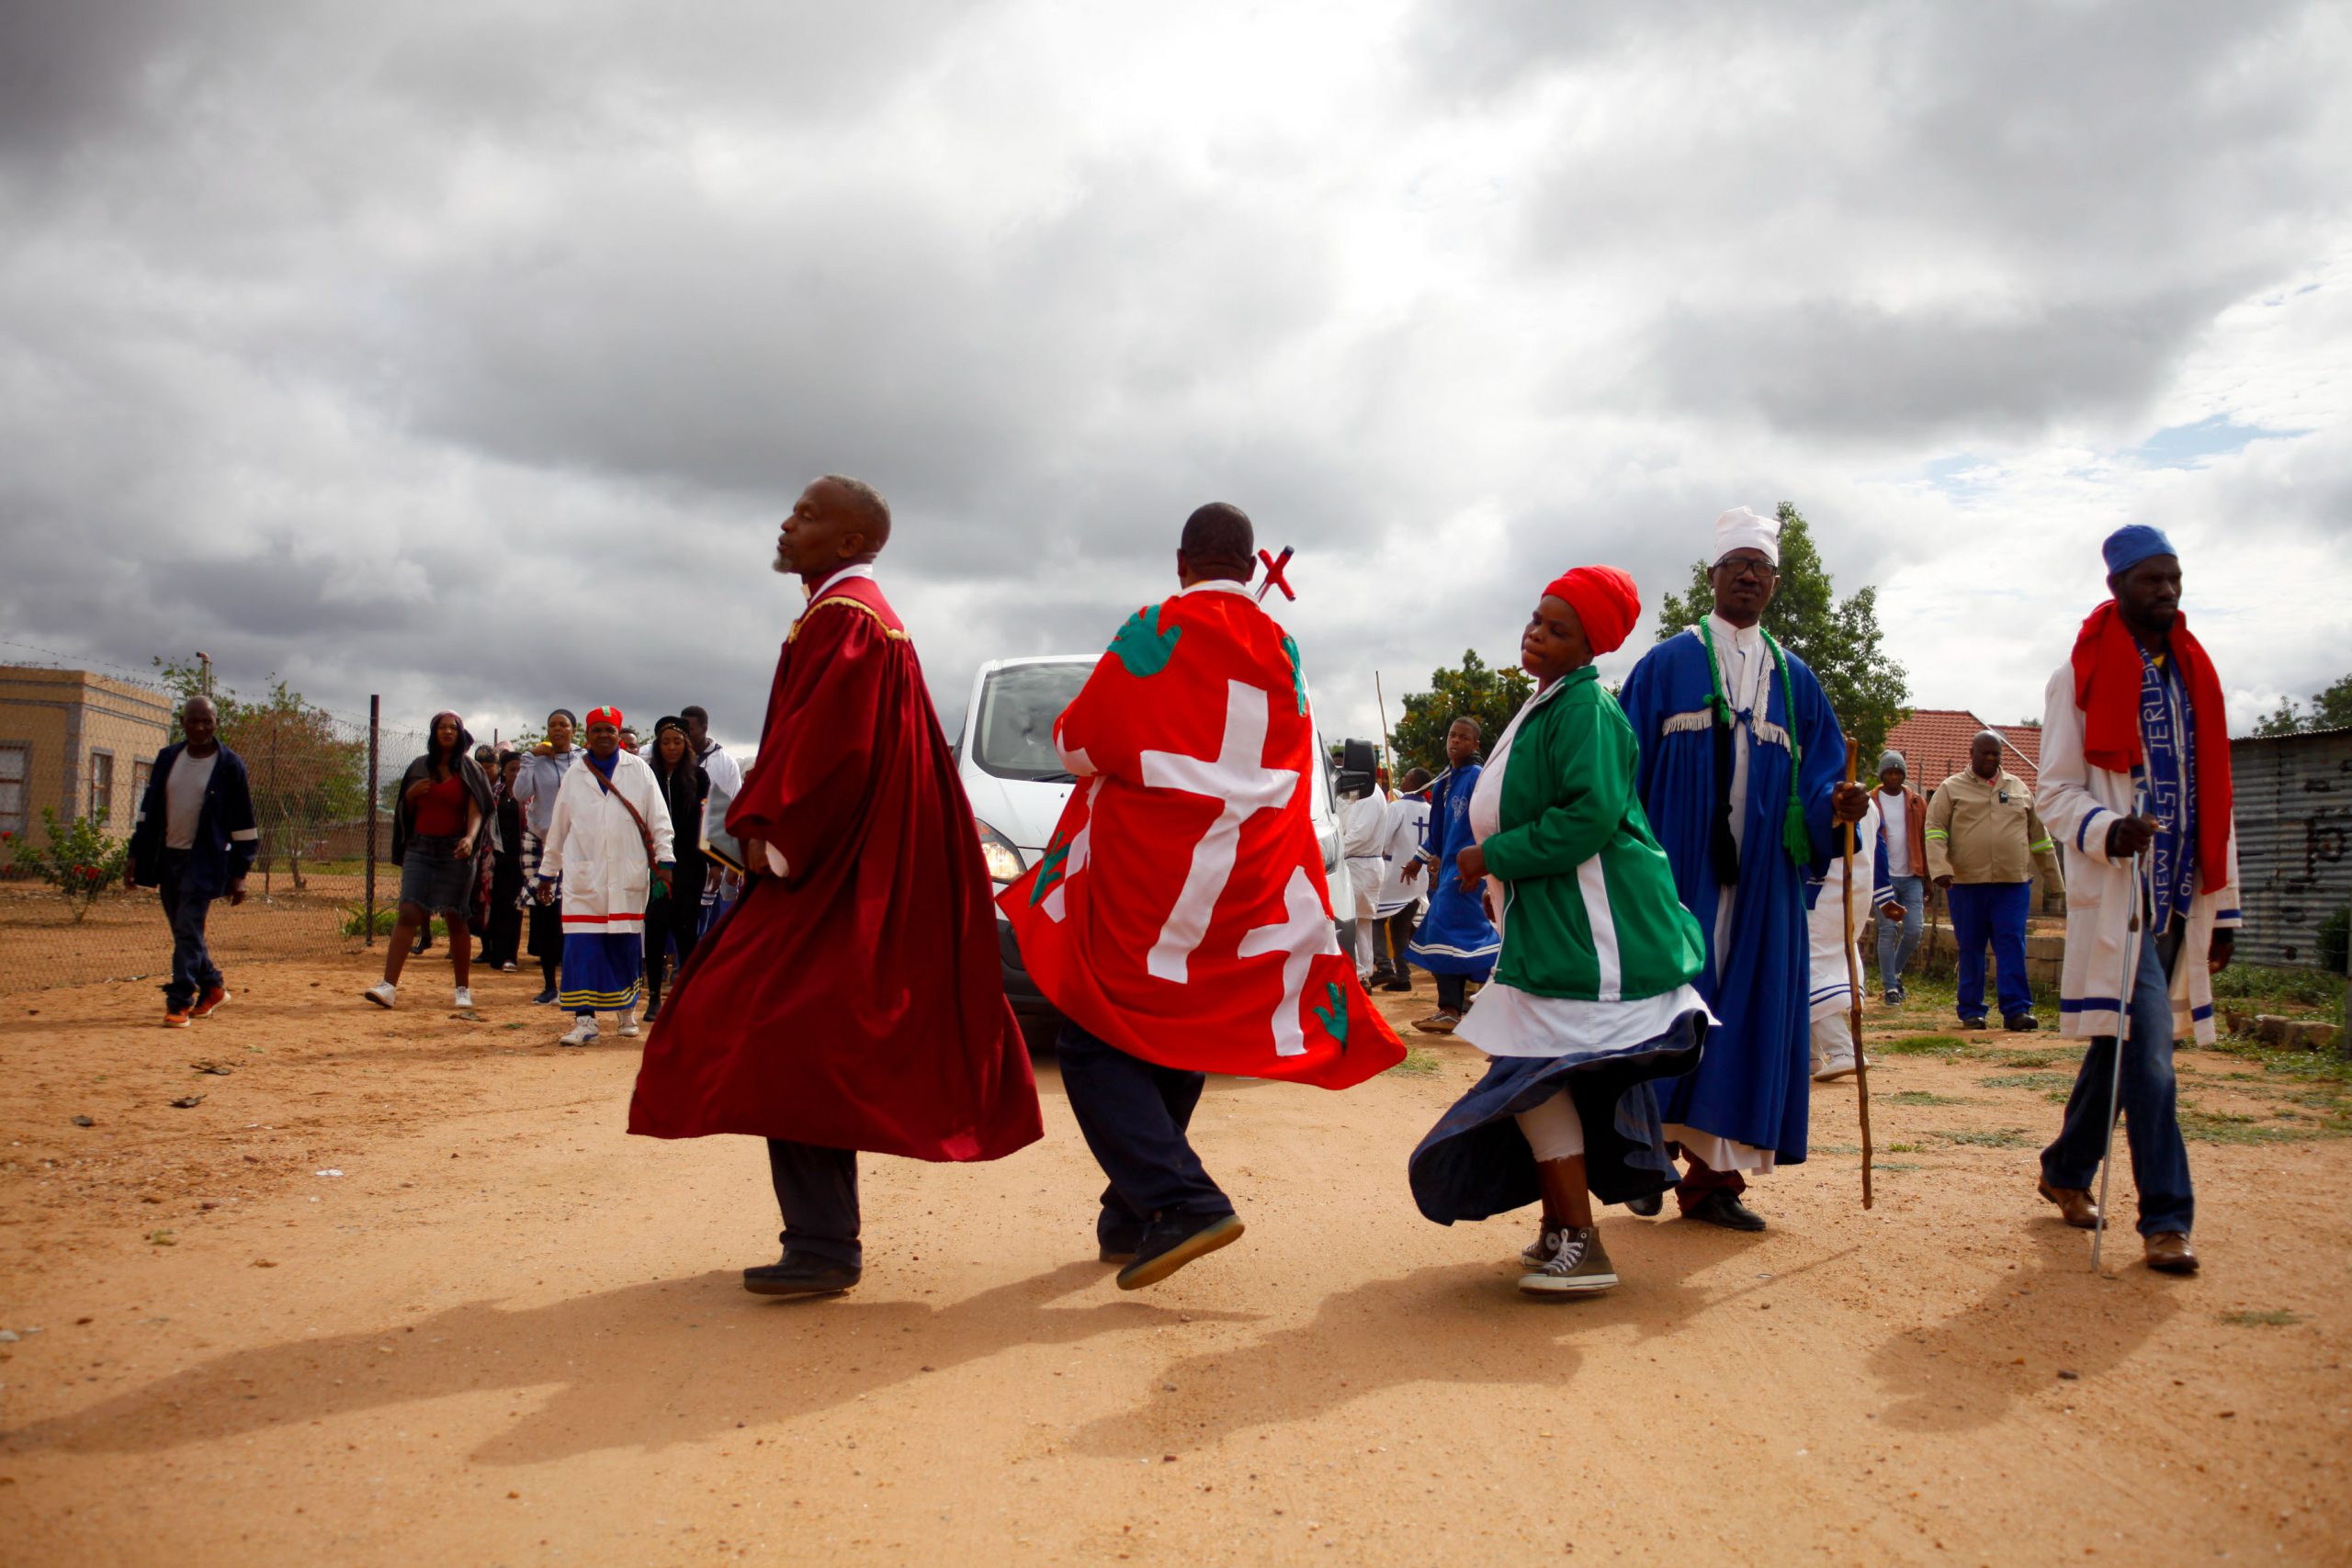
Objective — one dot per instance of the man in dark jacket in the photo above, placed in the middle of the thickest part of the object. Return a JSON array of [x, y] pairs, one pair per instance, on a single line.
[[194, 842]]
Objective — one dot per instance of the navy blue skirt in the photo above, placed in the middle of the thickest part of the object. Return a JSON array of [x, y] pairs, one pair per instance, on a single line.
[[1475, 1163]]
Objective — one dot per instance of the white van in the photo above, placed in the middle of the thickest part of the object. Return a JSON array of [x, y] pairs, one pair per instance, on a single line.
[[1017, 785]]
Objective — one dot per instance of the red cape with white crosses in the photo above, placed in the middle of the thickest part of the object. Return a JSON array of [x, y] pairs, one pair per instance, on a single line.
[[1179, 911]]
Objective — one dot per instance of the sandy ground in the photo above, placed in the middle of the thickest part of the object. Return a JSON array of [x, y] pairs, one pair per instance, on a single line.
[[398, 1289]]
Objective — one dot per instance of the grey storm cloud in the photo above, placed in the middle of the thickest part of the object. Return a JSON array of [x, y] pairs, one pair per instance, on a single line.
[[468, 353]]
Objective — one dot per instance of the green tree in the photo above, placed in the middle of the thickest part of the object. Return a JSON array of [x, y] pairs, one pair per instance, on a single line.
[[2330, 709], [1486, 693], [309, 769], [1838, 639]]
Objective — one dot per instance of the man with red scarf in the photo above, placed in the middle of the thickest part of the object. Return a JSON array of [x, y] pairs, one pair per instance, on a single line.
[[853, 996], [2135, 762]]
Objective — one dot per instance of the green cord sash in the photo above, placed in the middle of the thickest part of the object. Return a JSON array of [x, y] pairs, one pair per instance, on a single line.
[[1794, 836]]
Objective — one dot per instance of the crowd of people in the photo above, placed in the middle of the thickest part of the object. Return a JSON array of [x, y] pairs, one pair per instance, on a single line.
[[1649, 890], [610, 868]]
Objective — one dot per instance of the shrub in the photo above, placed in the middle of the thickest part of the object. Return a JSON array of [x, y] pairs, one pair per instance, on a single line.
[[355, 920], [2334, 937], [79, 860]]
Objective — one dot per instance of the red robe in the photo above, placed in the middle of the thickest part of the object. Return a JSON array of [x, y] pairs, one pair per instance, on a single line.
[[858, 1001], [1179, 911]]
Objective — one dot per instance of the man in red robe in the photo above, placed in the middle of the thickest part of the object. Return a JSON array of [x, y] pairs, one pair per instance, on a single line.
[[852, 998], [1179, 917]]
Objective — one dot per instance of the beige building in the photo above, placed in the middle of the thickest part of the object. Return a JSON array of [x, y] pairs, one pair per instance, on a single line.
[[77, 743]]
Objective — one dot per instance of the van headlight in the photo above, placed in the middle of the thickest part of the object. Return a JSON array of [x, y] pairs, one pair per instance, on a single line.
[[1004, 861]]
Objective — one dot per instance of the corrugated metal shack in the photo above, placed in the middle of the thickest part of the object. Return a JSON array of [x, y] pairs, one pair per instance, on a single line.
[[2294, 811]]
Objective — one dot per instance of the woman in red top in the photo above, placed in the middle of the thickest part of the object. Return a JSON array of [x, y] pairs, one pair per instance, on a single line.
[[437, 827]]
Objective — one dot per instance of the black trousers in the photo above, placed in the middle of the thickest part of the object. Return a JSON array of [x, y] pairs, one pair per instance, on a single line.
[[1453, 993], [503, 942], [673, 919], [1134, 1115], [547, 938], [816, 1188], [1388, 939]]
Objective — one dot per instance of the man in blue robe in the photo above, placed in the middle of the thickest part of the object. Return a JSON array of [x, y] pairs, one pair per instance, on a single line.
[[1457, 942], [1740, 776]]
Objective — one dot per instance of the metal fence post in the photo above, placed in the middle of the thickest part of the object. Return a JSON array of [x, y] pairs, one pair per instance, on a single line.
[[375, 731]]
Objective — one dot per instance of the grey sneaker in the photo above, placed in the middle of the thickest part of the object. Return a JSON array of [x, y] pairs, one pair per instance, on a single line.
[[1577, 1266]]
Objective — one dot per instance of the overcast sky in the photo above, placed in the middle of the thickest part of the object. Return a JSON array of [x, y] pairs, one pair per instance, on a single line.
[[468, 353]]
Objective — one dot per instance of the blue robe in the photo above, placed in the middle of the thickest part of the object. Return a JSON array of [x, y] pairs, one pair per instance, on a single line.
[[1752, 1085], [1455, 937]]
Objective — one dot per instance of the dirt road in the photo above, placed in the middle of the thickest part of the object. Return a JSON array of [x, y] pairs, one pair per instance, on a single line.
[[398, 1289]]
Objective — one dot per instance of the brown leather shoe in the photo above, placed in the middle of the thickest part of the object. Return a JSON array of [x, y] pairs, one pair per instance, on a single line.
[[2074, 1203], [2168, 1252]]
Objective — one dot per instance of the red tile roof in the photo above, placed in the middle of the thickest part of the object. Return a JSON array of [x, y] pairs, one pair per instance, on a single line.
[[1934, 741]]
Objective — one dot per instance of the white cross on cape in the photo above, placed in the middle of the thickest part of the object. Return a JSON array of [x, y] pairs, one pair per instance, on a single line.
[[1237, 778]]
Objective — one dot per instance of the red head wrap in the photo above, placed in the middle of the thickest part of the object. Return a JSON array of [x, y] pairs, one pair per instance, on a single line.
[[605, 714], [1604, 599]]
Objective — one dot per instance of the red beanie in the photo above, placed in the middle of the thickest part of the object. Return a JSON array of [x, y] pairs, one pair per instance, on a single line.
[[1604, 599], [606, 715]]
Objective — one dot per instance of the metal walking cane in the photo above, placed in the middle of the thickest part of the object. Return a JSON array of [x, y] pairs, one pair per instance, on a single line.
[[2132, 936]]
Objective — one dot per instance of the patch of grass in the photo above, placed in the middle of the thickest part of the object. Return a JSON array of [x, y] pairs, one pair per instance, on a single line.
[[1921, 1097], [1418, 1063], [2311, 991], [1998, 1138], [1891, 1165], [1905, 1148], [1837, 1148], [1945, 1046], [2273, 1319], [2062, 1058], [2061, 1082], [2308, 1066], [2228, 1127]]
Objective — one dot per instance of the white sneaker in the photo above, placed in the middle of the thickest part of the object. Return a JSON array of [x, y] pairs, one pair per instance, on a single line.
[[583, 1032], [628, 1026], [506, 969], [383, 993], [465, 998]]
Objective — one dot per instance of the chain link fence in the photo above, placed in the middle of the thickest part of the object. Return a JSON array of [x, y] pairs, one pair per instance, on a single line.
[[76, 750]]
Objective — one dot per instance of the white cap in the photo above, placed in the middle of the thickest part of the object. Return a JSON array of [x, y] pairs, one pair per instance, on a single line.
[[1741, 529]]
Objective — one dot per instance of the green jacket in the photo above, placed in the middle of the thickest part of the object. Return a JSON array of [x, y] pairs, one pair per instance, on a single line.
[[1590, 908]]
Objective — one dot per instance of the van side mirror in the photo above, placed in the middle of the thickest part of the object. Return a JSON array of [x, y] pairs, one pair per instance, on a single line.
[[1359, 767]]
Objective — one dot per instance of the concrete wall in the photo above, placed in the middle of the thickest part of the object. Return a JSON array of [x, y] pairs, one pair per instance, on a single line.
[[72, 722]]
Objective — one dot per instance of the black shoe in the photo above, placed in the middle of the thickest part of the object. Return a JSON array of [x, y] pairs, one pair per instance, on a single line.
[[2019, 1023], [1972, 1023], [653, 1009], [544, 998], [1400, 984], [1118, 1243], [1893, 999], [1722, 1207], [1172, 1240], [1648, 1208], [797, 1274]]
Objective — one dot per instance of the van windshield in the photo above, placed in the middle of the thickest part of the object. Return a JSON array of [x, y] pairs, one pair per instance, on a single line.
[[1013, 736]]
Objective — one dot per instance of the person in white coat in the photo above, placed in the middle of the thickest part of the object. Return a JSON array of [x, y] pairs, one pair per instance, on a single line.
[[610, 842], [2135, 776], [1398, 909], [1364, 830], [1834, 937]]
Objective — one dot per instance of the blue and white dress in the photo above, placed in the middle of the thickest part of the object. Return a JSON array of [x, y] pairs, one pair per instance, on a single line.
[[1455, 937]]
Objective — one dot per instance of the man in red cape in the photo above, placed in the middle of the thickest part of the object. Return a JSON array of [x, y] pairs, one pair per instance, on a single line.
[[1179, 917], [852, 998]]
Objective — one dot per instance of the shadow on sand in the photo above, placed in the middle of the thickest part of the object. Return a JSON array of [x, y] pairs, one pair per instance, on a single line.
[[1961, 1372], [641, 1366]]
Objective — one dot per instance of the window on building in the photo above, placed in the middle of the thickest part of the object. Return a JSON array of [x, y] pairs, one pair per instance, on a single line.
[[102, 786], [15, 771], [141, 773]]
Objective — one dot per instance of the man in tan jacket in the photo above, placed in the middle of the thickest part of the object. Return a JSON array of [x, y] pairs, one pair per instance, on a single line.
[[1982, 838]]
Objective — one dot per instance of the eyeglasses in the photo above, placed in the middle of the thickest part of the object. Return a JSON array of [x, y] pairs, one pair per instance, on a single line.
[[1740, 566]]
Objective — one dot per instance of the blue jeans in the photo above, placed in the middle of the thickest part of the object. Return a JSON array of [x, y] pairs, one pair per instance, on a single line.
[[2159, 1157], [1897, 943], [1134, 1115], [193, 971], [1993, 910]]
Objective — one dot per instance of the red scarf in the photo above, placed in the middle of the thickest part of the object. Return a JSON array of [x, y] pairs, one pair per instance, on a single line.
[[2107, 688]]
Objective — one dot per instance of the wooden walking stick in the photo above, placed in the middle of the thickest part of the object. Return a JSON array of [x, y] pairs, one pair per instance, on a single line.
[[1854, 985]]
